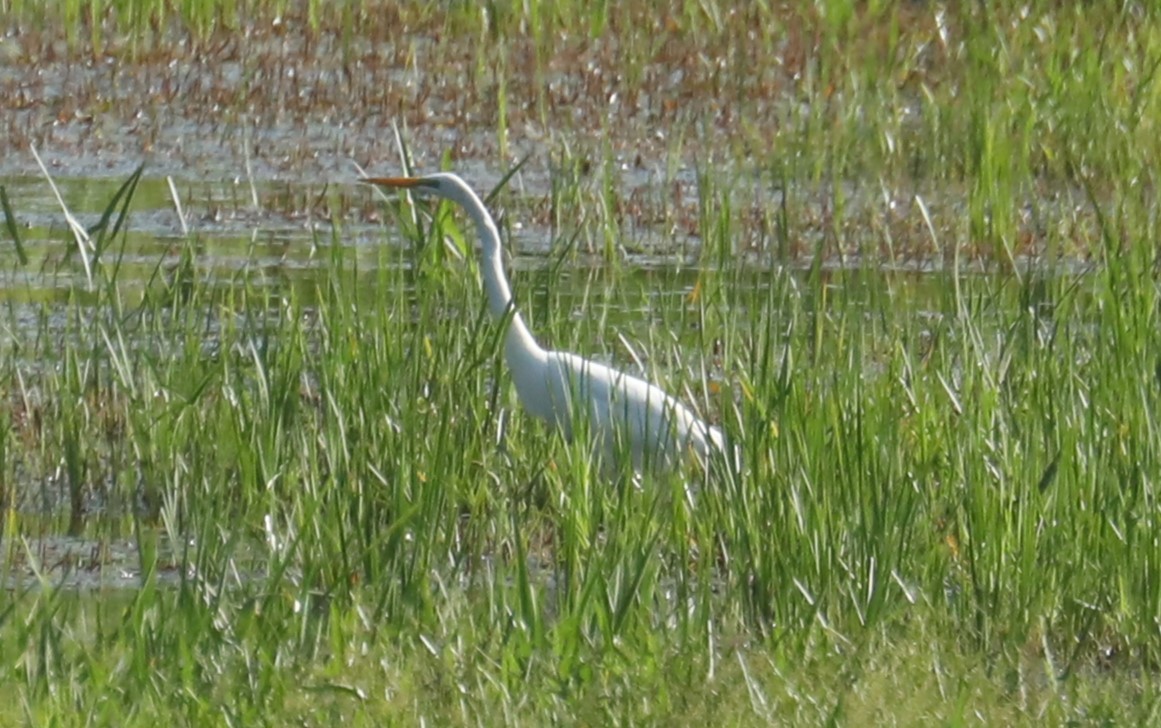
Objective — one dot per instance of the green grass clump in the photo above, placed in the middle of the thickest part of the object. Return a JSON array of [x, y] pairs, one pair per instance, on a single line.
[[337, 509], [910, 271]]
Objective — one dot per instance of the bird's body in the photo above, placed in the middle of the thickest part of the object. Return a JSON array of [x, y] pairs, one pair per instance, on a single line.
[[622, 413]]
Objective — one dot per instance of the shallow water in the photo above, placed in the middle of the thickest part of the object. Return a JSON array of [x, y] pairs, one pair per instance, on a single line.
[[82, 563], [264, 183]]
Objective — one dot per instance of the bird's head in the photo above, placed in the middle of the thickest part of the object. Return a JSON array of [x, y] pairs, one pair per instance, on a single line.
[[443, 184]]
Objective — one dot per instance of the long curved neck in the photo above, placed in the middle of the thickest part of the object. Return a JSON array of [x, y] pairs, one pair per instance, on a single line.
[[518, 338]]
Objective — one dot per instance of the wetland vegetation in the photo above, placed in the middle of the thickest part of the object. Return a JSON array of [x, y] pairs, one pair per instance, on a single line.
[[260, 462]]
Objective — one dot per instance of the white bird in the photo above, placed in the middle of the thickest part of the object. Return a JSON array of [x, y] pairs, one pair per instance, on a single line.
[[620, 410]]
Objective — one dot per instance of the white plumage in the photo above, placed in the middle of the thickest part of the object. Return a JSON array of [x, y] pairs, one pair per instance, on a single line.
[[620, 410]]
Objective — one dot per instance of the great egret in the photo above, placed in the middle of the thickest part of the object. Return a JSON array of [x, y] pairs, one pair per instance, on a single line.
[[620, 409]]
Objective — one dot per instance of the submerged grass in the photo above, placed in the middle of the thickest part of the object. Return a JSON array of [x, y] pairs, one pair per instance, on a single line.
[[948, 496], [947, 510]]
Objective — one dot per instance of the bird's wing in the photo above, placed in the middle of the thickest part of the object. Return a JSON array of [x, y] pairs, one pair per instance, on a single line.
[[619, 405]]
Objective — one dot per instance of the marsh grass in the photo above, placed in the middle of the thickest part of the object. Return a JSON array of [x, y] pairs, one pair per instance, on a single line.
[[947, 506], [956, 472]]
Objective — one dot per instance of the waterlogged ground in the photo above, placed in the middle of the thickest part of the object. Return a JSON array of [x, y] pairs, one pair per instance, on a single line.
[[263, 127], [259, 461], [86, 564]]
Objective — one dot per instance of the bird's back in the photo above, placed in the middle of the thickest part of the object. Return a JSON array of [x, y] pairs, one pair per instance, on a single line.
[[623, 412]]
